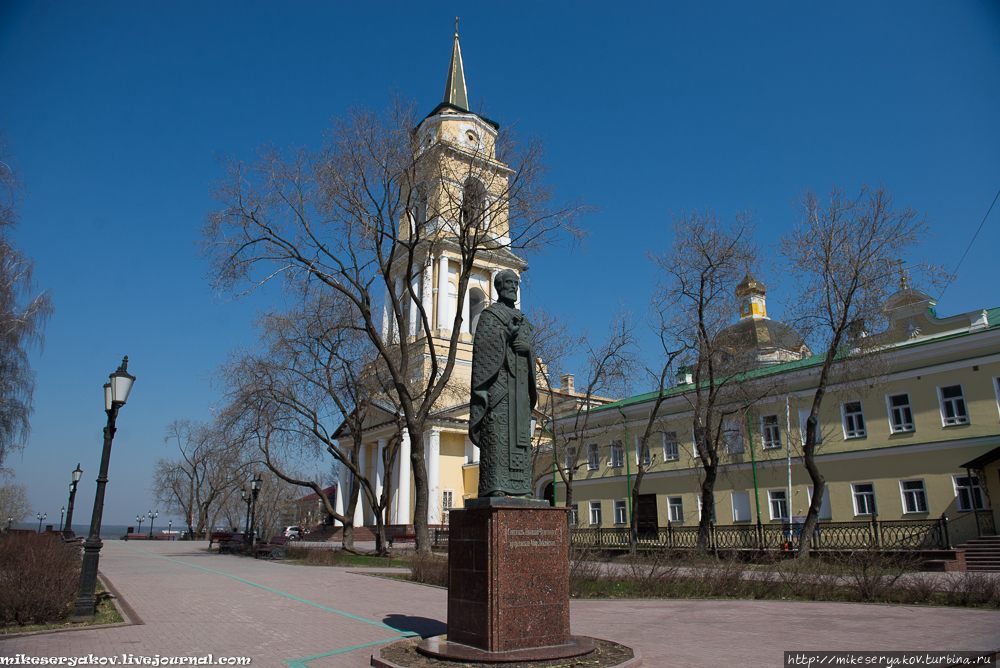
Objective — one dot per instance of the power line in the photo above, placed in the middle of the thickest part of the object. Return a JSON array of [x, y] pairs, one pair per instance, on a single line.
[[970, 246]]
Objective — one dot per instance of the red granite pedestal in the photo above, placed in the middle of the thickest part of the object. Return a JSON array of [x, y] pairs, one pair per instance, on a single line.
[[508, 589]]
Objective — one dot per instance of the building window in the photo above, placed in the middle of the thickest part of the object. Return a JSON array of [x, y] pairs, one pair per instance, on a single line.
[[675, 505], [803, 419], [595, 513], [621, 516], [914, 496], [593, 457], [900, 413], [570, 457], [741, 507], [712, 509], [778, 499], [447, 503], [617, 454], [864, 498], [574, 514], [770, 431], [952, 405], [734, 438], [996, 388], [825, 513], [854, 419], [671, 449], [967, 491], [642, 455]]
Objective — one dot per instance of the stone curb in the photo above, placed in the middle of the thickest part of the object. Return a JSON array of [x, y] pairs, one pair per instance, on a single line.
[[378, 662]]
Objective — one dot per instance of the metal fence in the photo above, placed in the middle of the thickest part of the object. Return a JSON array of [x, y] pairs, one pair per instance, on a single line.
[[917, 534]]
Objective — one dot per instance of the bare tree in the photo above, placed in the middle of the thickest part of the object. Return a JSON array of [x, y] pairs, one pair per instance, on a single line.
[[23, 314], [846, 257], [693, 303], [196, 485], [609, 368], [13, 503], [370, 207]]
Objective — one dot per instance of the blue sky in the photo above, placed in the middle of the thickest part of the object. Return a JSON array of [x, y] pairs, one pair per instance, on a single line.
[[117, 112]]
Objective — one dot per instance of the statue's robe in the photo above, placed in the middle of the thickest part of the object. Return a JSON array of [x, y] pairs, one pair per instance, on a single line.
[[503, 395]]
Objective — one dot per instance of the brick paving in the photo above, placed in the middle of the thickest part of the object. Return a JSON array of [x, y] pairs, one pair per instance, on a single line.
[[193, 603]]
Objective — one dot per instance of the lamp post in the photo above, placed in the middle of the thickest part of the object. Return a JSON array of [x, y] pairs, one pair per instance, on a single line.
[[152, 516], [140, 519], [170, 526], [115, 395], [10, 523], [62, 515], [72, 497], [255, 485], [40, 518]]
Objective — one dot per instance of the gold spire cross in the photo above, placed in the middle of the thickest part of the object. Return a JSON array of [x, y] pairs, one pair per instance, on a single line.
[[456, 25]]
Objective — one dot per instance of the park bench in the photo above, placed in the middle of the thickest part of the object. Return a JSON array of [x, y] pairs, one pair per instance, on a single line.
[[272, 549], [228, 542], [219, 536]]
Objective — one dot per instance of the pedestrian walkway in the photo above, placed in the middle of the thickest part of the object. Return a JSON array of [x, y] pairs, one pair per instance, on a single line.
[[193, 603]]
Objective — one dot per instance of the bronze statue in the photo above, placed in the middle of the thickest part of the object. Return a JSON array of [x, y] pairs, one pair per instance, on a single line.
[[503, 394]]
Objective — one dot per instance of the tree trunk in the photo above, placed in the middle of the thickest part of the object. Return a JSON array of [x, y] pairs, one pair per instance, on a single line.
[[420, 504]]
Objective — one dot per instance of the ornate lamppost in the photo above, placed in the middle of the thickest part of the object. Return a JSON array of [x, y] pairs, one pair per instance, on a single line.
[[62, 516], [72, 497], [255, 485], [140, 519], [40, 518], [152, 516], [115, 395]]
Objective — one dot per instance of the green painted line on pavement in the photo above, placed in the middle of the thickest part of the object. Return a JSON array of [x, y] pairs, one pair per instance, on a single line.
[[301, 663], [275, 591]]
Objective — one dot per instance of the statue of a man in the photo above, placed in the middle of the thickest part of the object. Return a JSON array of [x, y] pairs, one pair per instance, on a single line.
[[503, 394]]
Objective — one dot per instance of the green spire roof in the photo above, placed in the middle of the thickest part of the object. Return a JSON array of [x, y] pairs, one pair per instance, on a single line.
[[454, 88]]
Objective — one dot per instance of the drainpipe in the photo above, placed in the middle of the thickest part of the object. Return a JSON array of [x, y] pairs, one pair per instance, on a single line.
[[753, 465], [628, 473]]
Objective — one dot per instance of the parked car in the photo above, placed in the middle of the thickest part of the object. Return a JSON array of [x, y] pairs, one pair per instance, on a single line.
[[294, 533]]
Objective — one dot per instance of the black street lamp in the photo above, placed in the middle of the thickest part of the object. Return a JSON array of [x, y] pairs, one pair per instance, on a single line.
[[140, 519], [40, 518], [170, 527], [255, 485], [115, 395], [10, 523], [72, 497], [62, 514], [152, 516]]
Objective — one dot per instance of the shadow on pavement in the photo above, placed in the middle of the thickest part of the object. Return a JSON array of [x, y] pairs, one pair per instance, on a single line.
[[425, 626]]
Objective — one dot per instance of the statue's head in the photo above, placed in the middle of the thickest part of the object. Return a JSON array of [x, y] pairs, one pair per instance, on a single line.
[[506, 283]]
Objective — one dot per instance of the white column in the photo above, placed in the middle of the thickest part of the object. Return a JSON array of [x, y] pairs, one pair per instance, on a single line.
[[379, 470], [517, 302], [385, 314], [443, 321], [494, 295], [426, 290], [465, 312], [359, 510], [398, 287], [403, 489], [338, 502], [415, 284], [471, 451], [432, 453]]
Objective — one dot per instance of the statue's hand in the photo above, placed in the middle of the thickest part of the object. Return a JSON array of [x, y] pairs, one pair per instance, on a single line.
[[522, 347]]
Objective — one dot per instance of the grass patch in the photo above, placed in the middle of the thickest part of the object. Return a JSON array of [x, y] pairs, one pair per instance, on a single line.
[[305, 556], [105, 613]]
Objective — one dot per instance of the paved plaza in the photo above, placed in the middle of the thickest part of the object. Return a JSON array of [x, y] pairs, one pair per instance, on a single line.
[[191, 602]]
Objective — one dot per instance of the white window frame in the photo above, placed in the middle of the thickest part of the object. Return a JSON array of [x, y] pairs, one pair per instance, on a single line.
[[743, 495], [712, 516], [996, 389], [641, 447], [803, 418], [825, 511], [621, 511], [733, 433], [595, 513], [574, 514], [957, 419], [570, 454], [617, 454], [903, 426], [671, 447], [593, 456], [974, 497], [777, 499], [916, 495], [770, 434], [852, 420], [675, 508], [447, 503], [857, 494]]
